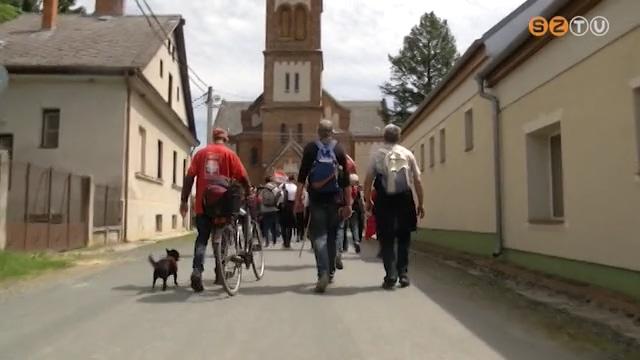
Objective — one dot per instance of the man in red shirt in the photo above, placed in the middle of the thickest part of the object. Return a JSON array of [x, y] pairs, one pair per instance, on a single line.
[[213, 162]]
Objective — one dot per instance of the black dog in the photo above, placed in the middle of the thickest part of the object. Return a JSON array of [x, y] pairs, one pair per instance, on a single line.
[[166, 267]]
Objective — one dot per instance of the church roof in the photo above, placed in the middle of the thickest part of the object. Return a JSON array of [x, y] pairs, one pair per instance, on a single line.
[[366, 118], [229, 116]]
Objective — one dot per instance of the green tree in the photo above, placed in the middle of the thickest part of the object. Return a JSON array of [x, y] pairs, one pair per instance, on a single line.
[[428, 53]]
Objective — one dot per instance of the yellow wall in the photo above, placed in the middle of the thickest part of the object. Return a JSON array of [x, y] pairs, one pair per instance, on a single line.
[[149, 198], [170, 66], [92, 116], [459, 194], [585, 84], [363, 155]]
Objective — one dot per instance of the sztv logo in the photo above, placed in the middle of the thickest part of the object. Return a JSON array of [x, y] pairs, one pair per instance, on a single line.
[[559, 26]]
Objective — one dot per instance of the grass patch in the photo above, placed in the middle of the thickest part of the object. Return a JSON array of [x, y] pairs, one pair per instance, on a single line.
[[13, 265], [8, 12]]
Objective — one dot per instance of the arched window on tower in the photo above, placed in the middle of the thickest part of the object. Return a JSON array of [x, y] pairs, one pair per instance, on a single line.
[[300, 22], [283, 134], [285, 20], [254, 156], [300, 134]]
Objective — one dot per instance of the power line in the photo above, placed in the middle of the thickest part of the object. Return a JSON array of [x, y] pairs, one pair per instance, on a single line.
[[166, 35], [164, 44]]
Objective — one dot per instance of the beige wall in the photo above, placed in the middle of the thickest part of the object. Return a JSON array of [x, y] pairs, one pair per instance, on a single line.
[[303, 69], [148, 195], [170, 66], [92, 114], [459, 194], [362, 156], [584, 84]]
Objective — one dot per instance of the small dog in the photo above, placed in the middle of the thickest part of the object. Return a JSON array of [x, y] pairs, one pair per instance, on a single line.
[[166, 267]]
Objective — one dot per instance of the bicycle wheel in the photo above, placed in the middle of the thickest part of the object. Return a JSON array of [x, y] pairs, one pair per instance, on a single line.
[[228, 260], [257, 255]]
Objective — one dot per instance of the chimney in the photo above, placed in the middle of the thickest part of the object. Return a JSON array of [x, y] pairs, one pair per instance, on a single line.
[[49, 14], [109, 8]]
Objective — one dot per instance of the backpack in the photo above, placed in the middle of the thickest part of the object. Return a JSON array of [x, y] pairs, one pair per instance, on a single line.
[[270, 195], [395, 172], [323, 177], [221, 197]]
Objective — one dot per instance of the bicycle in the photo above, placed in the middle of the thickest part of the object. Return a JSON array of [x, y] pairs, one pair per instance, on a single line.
[[233, 249]]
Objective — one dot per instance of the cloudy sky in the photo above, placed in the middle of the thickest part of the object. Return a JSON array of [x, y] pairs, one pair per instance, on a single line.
[[225, 39]]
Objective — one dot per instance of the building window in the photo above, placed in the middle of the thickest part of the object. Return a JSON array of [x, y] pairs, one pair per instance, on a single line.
[[170, 95], [175, 168], [468, 130], [283, 134], [184, 168], [287, 82], [300, 133], [432, 152], [636, 96], [50, 128], [301, 22], [254, 156], [174, 222], [161, 69], [6, 143], [545, 187], [297, 83], [158, 223], [178, 94], [285, 21], [443, 146], [159, 159], [422, 157], [143, 149], [557, 188]]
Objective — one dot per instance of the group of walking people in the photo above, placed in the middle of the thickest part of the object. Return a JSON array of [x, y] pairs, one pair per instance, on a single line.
[[327, 199]]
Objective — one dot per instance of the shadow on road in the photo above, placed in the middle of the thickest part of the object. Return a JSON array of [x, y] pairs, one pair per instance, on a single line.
[[285, 268], [173, 294]]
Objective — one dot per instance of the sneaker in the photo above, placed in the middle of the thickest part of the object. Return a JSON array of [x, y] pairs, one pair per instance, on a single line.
[[389, 284], [357, 247], [321, 285], [196, 282], [339, 264], [404, 281]]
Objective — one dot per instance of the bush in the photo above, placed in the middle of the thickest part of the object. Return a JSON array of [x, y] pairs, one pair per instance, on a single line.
[[8, 12]]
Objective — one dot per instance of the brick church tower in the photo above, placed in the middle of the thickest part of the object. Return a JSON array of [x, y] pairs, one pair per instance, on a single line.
[[269, 133], [292, 103]]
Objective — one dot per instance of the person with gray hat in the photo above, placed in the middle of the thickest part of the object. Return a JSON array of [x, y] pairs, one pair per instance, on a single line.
[[324, 169], [395, 175]]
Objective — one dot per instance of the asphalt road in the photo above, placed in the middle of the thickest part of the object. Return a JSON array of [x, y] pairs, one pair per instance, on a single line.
[[109, 312]]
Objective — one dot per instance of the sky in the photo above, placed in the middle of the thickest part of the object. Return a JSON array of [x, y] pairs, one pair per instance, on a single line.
[[225, 40]]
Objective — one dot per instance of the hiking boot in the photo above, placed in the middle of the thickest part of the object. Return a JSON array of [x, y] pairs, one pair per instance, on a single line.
[[389, 284], [196, 282], [321, 285], [357, 247], [404, 281], [339, 264]]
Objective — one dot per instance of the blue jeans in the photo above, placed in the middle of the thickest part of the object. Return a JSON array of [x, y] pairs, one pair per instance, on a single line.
[[352, 224], [323, 230], [205, 226], [269, 226]]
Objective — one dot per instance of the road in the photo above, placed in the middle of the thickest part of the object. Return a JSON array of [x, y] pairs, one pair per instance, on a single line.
[[110, 312]]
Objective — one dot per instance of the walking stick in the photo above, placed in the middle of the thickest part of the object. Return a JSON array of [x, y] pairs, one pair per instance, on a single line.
[[306, 233]]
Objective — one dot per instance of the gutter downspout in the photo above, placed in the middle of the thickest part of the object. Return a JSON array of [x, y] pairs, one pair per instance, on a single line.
[[497, 159], [127, 125]]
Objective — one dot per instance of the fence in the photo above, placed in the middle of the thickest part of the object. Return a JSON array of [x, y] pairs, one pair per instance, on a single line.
[[107, 215], [46, 209]]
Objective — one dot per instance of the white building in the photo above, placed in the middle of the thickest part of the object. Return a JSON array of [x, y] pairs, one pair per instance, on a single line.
[[107, 96]]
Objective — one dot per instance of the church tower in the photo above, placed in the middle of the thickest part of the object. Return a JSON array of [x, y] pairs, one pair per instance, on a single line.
[[292, 97]]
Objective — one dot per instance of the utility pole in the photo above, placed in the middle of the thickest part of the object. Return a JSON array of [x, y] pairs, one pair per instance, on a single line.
[[209, 115]]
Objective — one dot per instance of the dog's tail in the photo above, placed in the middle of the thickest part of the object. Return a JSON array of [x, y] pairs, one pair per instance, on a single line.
[[151, 261]]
